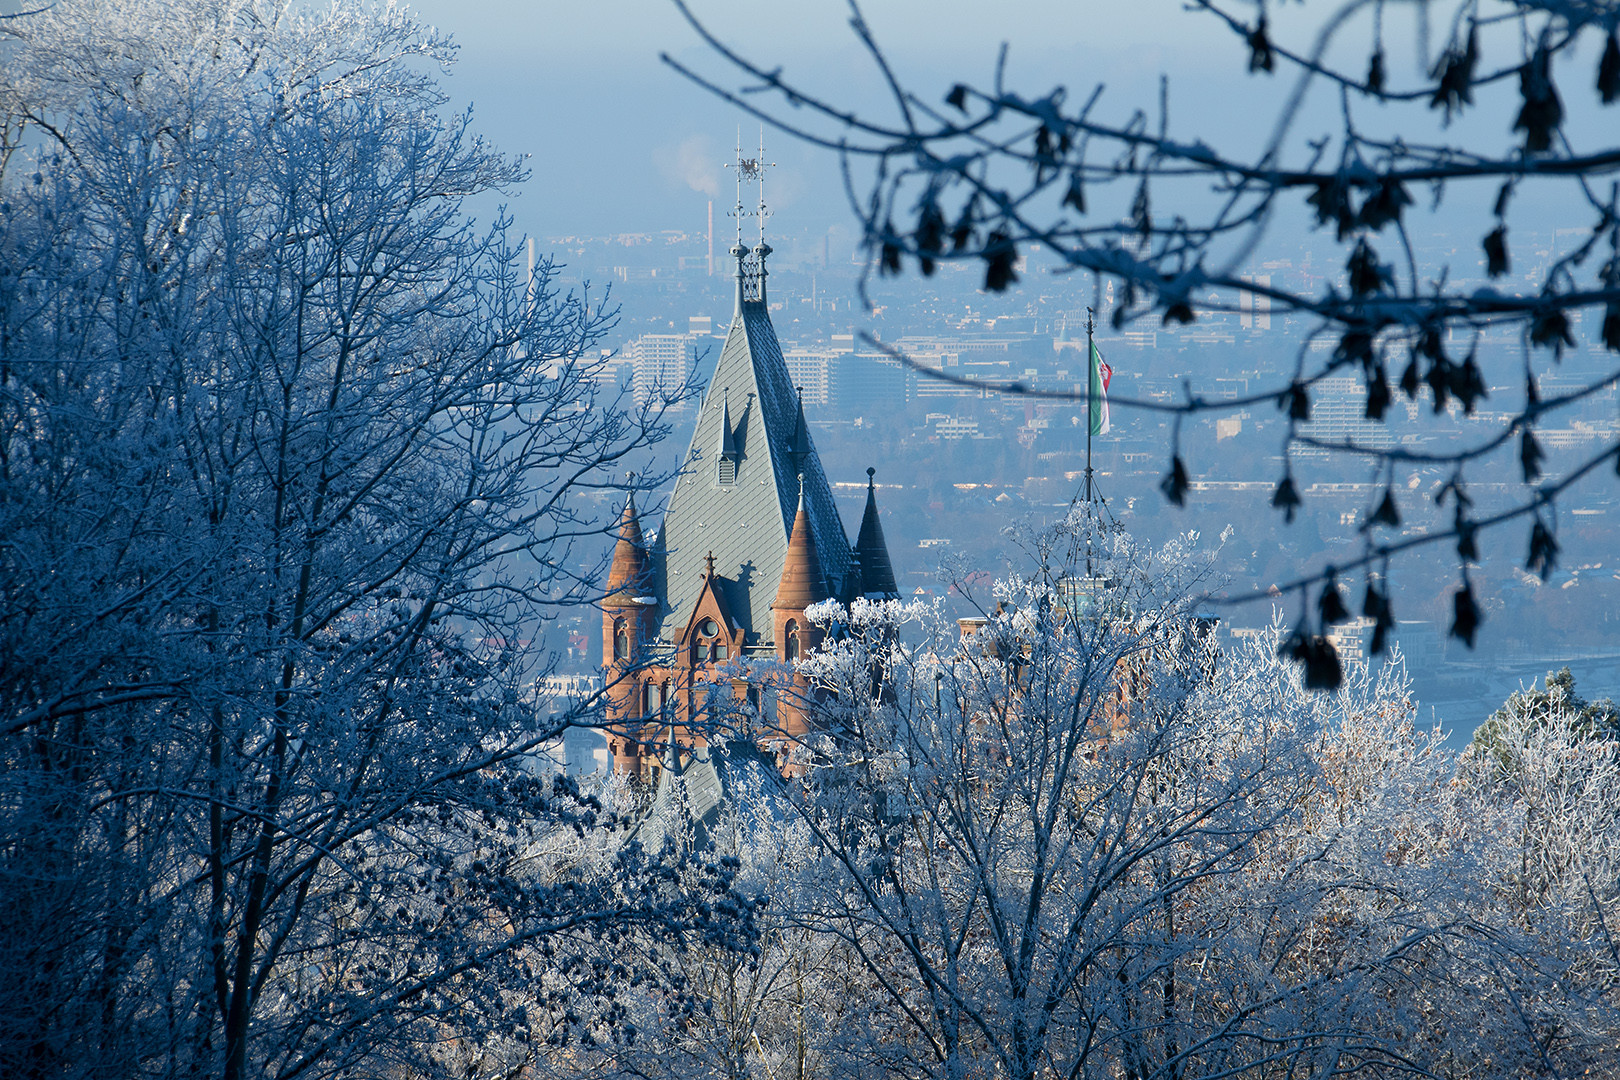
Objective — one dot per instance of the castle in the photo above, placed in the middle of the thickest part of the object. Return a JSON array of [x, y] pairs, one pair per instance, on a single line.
[[750, 539]]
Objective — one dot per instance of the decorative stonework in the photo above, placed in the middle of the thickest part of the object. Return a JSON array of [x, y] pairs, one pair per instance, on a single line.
[[751, 269]]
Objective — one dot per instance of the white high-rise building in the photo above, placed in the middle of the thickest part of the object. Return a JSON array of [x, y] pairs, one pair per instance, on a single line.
[[810, 371], [1339, 414], [1254, 309], [662, 362]]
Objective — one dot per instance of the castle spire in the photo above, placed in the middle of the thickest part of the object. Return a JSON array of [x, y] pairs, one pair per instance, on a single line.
[[761, 249], [760, 165], [877, 573], [745, 508]]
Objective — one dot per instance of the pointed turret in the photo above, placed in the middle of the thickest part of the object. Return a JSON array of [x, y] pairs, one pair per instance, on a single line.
[[627, 622], [802, 586], [802, 583], [629, 569], [800, 451], [877, 573]]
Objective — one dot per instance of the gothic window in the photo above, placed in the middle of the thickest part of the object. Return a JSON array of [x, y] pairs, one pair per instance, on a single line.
[[792, 643], [621, 641]]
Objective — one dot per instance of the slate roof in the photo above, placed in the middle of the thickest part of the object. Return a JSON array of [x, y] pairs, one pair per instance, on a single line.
[[746, 524], [691, 797]]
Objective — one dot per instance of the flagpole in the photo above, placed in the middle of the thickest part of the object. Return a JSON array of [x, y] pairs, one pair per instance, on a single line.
[[1091, 407], [1091, 401]]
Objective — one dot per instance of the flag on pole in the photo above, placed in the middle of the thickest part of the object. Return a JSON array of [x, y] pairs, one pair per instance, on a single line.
[[1097, 399]]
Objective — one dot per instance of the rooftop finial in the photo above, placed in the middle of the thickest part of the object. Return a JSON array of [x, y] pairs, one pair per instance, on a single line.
[[744, 168], [870, 474], [760, 165], [710, 560], [751, 271], [801, 491]]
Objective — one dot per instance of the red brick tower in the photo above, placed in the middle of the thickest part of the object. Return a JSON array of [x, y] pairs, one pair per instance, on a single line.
[[629, 614], [802, 586]]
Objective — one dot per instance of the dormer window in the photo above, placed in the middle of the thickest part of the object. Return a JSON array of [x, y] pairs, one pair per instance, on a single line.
[[729, 450]]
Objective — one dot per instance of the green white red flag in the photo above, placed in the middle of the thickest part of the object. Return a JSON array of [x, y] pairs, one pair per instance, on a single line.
[[1097, 399]]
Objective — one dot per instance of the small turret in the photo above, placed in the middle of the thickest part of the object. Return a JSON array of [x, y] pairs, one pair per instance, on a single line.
[[877, 573], [801, 570], [802, 586], [626, 576], [627, 620], [727, 457]]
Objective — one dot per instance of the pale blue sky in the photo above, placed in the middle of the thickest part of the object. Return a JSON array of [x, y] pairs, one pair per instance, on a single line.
[[619, 142]]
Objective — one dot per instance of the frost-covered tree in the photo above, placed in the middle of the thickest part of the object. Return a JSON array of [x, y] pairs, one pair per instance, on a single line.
[[1083, 841], [1556, 699], [773, 1010], [289, 451], [1547, 767]]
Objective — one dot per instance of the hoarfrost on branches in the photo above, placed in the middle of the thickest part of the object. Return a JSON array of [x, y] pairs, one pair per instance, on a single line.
[[290, 453]]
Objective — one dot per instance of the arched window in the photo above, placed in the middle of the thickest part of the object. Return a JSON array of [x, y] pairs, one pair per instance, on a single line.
[[621, 641], [791, 646]]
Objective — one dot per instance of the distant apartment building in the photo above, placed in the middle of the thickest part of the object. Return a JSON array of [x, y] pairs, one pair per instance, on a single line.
[[810, 370], [1338, 414], [851, 384], [952, 428], [869, 384], [1254, 309], [662, 362]]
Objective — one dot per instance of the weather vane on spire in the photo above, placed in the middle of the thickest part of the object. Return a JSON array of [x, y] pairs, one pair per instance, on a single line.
[[752, 169], [751, 266]]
